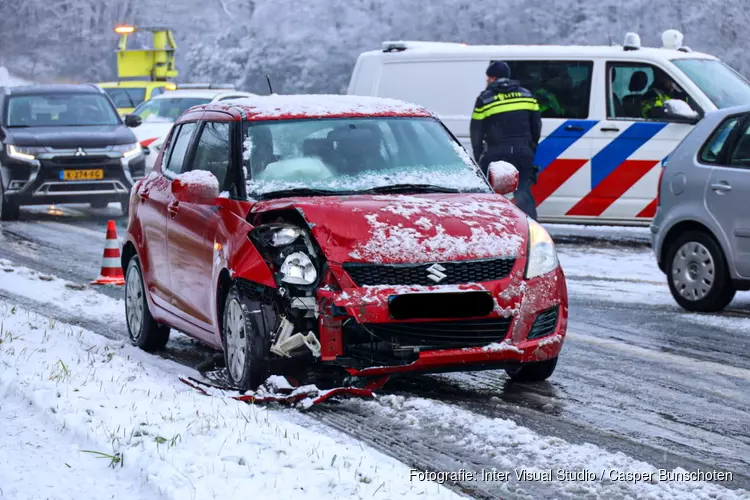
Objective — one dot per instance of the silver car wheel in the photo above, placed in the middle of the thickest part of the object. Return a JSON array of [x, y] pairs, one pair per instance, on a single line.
[[134, 300], [236, 340], [693, 271]]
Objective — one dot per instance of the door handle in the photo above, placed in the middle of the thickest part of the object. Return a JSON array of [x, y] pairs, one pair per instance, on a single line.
[[576, 128], [609, 129], [173, 208], [722, 187]]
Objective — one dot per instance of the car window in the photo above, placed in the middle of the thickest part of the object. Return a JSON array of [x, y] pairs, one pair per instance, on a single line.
[[167, 110], [563, 88], [60, 110], [126, 97], [180, 148], [156, 91], [213, 150], [712, 150], [638, 91], [740, 156]]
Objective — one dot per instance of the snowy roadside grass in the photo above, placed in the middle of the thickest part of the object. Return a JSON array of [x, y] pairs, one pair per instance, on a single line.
[[512, 448], [187, 445]]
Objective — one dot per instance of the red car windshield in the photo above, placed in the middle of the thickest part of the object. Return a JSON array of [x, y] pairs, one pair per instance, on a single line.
[[345, 155]]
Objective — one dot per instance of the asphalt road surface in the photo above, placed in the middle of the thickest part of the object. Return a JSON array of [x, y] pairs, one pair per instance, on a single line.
[[636, 375]]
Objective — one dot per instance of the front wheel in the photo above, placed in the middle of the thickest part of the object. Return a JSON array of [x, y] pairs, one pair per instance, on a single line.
[[246, 342], [143, 329], [697, 273], [532, 372], [8, 209]]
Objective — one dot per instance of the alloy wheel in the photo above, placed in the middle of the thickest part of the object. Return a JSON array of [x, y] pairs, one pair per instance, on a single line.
[[236, 340]]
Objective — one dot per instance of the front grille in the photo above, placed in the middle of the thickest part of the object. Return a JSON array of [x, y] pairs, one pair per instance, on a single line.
[[544, 324], [433, 334], [83, 187], [456, 272]]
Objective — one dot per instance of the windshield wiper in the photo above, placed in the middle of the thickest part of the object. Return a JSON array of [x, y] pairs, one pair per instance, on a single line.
[[19, 126], [411, 188], [284, 193]]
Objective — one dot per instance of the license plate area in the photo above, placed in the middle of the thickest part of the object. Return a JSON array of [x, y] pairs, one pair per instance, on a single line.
[[440, 305], [95, 174]]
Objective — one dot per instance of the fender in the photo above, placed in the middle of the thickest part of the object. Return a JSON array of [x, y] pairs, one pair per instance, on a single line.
[[243, 260]]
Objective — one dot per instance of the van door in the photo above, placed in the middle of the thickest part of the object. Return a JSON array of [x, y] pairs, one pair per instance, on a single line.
[[727, 193], [563, 89], [628, 148]]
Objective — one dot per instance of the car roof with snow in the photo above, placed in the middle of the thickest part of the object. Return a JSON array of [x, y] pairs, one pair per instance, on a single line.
[[291, 107], [418, 50]]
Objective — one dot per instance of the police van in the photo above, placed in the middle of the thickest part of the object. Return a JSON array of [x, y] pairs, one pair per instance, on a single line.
[[602, 147]]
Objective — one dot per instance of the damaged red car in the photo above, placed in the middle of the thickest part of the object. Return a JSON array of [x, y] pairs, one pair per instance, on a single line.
[[338, 232]]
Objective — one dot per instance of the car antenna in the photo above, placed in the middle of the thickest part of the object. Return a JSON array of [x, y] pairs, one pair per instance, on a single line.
[[610, 39], [270, 88]]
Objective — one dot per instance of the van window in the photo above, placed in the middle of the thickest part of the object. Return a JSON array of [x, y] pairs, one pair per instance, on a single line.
[[638, 91], [723, 85], [563, 88]]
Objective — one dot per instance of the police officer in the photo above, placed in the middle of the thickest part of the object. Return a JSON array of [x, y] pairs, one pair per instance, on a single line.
[[662, 90], [506, 126]]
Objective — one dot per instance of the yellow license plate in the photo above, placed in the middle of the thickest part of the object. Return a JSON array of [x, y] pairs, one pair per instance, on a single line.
[[82, 175]]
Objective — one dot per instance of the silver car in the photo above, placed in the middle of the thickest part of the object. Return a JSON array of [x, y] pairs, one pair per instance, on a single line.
[[701, 230]]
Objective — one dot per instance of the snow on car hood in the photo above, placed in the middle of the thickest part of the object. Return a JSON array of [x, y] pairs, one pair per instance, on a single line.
[[397, 229]]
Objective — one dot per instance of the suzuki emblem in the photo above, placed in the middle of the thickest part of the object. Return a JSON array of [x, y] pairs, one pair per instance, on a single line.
[[435, 273], [79, 152]]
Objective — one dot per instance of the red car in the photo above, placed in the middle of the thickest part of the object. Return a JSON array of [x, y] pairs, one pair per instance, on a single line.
[[338, 231]]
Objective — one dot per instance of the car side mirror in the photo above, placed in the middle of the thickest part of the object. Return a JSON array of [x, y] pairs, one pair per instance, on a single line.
[[133, 121], [503, 177], [679, 110], [197, 186]]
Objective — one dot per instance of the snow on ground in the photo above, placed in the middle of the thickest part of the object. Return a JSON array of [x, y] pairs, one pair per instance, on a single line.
[[515, 449], [106, 396]]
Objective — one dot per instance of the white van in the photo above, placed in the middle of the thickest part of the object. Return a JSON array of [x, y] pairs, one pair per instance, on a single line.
[[599, 160]]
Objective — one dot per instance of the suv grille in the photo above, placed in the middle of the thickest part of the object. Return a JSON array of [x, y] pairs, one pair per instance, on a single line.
[[456, 272]]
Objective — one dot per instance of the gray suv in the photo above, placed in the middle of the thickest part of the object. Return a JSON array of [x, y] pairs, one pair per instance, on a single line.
[[701, 231]]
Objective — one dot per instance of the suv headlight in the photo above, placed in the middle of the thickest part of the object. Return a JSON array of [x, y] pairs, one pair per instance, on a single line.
[[24, 153], [298, 269], [542, 256], [128, 150]]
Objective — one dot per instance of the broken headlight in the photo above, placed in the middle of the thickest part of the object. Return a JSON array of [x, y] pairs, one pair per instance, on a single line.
[[298, 269], [277, 235]]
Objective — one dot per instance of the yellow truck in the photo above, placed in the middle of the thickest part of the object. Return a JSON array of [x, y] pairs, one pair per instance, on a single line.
[[142, 73]]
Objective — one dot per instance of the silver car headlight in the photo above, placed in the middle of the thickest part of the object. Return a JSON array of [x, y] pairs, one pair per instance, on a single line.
[[24, 153], [128, 150], [298, 269], [542, 257]]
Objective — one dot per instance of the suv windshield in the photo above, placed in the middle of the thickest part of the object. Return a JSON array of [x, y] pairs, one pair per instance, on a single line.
[[354, 155], [167, 109], [724, 86], [60, 110]]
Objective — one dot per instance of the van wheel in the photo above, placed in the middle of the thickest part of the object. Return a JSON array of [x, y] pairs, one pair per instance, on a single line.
[[143, 329], [533, 372], [697, 273], [246, 342], [8, 209]]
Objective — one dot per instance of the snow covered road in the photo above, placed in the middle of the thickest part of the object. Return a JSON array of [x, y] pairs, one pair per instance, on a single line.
[[638, 377]]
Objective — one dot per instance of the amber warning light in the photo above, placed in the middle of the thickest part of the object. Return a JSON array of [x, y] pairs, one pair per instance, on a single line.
[[124, 29]]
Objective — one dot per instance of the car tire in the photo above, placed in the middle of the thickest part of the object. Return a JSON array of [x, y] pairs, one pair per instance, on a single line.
[[533, 372], [246, 342], [697, 267], [98, 205], [8, 209], [143, 329]]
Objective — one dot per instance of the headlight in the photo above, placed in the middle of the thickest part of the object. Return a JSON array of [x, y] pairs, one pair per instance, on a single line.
[[277, 234], [542, 257], [24, 153], [298, 269], [128, 150]]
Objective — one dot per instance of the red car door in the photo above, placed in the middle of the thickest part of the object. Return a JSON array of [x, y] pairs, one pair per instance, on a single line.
[[192, 229], [152, 213]]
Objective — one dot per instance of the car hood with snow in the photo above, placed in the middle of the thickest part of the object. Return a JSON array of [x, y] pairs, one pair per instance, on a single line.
[[400, 229], [90, 136]]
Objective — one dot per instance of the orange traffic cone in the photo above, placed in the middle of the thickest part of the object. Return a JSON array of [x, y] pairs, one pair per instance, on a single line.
[[111, 273]]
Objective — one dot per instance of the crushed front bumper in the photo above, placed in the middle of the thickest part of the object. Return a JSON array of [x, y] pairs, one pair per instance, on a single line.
[[527, 323]]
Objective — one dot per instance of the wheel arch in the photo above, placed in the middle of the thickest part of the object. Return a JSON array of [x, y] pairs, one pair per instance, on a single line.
[[128, 252]]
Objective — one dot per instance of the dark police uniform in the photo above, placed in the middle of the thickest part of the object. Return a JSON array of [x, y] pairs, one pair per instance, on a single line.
[[506, 126]]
